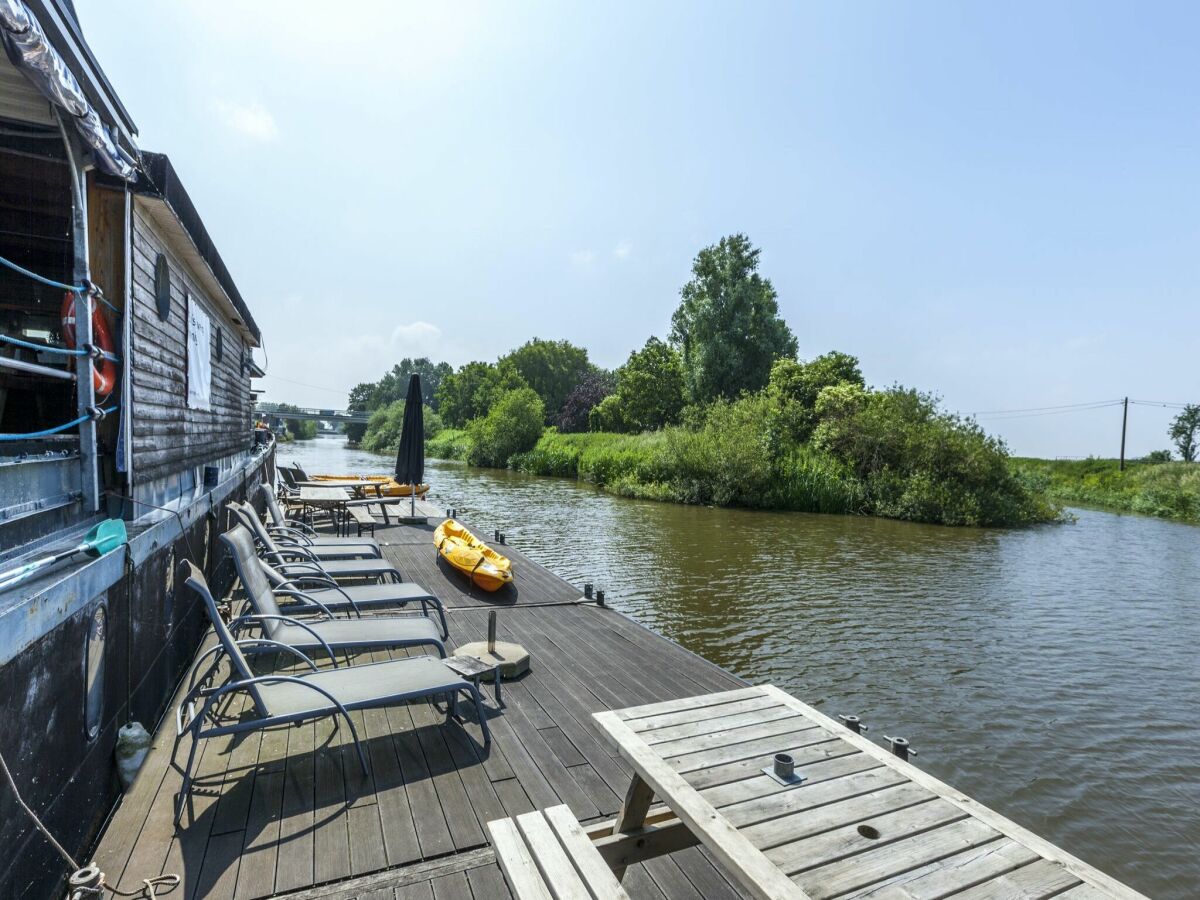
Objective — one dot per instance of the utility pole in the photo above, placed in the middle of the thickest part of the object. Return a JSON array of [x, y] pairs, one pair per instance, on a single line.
[[1124, 422]]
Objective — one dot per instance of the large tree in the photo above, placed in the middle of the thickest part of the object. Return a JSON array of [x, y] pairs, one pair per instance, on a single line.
[[471, 391], [727, 326], [372, 395], [583, 399], [650, 386], [551, 368], [1184, 431]]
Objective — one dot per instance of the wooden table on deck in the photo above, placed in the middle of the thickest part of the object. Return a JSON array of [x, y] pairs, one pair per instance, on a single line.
[[863, 823], [358, 486], [330, 498]]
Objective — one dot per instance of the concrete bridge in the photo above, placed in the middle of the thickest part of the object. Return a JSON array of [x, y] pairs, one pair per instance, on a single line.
[[309, 414]]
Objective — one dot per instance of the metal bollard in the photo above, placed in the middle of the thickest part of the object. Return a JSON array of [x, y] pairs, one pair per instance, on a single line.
[[502, 539], [900, 747], [496, 536], [587, 589], [599, 598], [854, 723]]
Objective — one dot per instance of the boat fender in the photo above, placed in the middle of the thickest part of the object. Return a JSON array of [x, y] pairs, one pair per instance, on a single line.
[[104, 373], [133, 743]]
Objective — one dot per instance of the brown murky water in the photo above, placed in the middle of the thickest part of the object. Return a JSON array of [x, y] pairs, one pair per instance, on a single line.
[[1052, 673]]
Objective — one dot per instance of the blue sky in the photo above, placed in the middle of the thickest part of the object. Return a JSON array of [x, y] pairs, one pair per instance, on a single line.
[[995, 202]]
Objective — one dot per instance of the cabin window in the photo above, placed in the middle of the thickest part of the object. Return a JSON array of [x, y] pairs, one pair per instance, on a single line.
[[199, 356], [93, 670], [219, 352], [162, 286], [36, 391]]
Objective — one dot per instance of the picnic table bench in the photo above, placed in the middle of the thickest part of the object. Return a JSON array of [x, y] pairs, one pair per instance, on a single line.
[[862, 822]]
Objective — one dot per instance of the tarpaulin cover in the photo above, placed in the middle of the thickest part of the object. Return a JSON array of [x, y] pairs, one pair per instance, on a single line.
[[30, 51]]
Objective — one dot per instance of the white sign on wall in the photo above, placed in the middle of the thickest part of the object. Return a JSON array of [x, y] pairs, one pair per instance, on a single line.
[[199, 357]]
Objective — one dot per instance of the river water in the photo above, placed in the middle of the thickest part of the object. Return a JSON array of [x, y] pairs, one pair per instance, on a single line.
[[1052, 672]]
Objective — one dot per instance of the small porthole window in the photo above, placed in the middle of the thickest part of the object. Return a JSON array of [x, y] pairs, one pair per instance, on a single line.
[[93, 669], [219, 352], [162, 286]]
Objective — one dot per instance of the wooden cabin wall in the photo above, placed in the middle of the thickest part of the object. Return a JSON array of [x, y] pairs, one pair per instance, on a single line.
[[168, 437]]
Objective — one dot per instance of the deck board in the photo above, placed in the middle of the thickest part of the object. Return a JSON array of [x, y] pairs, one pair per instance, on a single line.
[[285, 810], [289, 812]]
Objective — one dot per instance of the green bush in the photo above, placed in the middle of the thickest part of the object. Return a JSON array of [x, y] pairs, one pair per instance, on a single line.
[[1169, 490], [554, 454], [387, 422], [302, 429], [513, 424], [916, 462], [727, 460], [450, 443]]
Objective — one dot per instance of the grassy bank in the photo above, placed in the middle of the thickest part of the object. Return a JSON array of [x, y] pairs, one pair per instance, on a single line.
[[722, 466], [1167, 490]]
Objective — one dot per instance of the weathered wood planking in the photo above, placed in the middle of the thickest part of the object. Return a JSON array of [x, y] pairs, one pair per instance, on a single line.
[[864, 823], [274, 819], [167, 435]]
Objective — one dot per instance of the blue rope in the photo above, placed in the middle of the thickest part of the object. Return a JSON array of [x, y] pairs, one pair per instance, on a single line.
[[77, 288], [59, 428], [41, 348], [49, 282]]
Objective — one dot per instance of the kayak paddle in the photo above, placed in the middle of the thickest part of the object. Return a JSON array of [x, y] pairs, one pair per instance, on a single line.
[[107, 536]]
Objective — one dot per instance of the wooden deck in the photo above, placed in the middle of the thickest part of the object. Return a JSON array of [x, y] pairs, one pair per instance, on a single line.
[[288, 810]]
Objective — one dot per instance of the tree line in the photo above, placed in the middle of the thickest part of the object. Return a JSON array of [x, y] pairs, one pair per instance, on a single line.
[[725, 337], [720, 411]]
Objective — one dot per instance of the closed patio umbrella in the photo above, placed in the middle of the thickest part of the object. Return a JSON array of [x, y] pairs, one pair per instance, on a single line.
[[410, 456]]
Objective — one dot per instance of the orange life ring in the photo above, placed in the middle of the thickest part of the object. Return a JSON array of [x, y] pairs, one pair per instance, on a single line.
[[104, 373]]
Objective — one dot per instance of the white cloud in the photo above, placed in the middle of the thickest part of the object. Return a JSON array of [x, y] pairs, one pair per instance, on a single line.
[[252, 119], [583, 259], [417, 335], [623, 249]]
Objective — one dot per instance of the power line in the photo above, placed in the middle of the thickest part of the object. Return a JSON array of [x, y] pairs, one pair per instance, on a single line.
[[1053, 412], [989, 412], [315, 387], [1163, 403]]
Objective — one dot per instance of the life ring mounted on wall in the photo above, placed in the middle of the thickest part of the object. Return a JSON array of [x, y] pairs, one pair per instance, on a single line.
[[104, 373]]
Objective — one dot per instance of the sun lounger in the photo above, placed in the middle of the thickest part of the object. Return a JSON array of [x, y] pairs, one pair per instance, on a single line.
[[325, 632], [288, 699], [294, 531], [292, 558]]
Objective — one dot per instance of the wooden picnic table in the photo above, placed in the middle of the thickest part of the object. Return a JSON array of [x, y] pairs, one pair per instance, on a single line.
[[358, 486], [332, 499], [861, 823]]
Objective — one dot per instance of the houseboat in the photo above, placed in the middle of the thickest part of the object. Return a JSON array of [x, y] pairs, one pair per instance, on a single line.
[[126, 365]]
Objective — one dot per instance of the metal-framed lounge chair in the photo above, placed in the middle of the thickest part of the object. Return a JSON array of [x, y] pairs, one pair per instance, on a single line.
[[289, 699], [290, 558], [326, 632], [294, 531], [294, 590], [322, 549]]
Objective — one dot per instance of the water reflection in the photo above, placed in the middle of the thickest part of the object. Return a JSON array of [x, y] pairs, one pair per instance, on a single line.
[[1050, 672]]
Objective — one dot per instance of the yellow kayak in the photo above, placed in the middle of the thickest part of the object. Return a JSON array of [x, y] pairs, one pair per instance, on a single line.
[[390, 487], [471, 556]]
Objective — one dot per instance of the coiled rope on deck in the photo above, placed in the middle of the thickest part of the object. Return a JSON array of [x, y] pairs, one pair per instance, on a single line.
[[95, 413], [84, 288]]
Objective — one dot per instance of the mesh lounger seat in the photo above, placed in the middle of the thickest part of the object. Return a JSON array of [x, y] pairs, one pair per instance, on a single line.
[[294, 558], [287, 699], [348, 598], [325, 633], [297, 532]]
